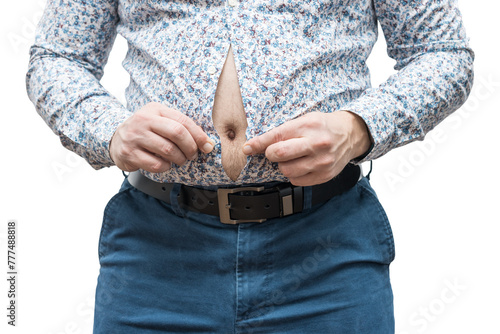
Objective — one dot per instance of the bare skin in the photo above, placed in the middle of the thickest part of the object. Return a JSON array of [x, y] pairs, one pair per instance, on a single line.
[[154, 137], [313, 148], [309, 150], [229, 119]]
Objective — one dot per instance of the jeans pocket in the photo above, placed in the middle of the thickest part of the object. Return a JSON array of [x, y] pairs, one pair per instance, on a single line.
[[109, 218], [381, 221]]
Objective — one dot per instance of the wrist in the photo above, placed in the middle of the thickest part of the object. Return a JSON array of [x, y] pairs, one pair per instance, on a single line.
[[359, 136]]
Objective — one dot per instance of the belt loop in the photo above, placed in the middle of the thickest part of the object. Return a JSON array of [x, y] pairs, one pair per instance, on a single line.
[[174, 199], [307, 198]]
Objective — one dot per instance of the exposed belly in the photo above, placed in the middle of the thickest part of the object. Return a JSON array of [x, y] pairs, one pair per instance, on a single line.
[[229, 119]]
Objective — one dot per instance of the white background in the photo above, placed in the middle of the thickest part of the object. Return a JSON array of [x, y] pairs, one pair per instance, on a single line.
[[440, 195]]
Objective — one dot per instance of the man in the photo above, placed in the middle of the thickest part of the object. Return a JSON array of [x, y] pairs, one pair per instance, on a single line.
[[245, 210]]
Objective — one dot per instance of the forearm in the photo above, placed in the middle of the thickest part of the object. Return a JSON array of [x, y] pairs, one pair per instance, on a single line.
[[415, 100], [74, 105], [435, 64], [71, 47], [359, 138]]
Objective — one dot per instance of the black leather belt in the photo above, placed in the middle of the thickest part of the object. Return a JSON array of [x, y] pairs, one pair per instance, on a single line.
[[243, 204]]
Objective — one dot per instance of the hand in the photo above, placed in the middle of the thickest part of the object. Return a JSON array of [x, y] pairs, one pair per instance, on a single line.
[[313, 148], [155, 137]]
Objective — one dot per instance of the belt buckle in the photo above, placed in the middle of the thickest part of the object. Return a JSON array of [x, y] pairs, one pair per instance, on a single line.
[[225, 206]]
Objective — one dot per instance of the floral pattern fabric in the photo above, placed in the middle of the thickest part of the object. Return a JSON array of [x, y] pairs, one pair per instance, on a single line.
[[292, 57]]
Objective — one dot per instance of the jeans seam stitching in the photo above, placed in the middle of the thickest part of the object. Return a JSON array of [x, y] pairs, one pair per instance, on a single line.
[[107, 219], [388, 232], [237, 280]]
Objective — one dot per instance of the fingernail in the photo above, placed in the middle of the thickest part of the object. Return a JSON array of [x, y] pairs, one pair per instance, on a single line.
[[208, 147], [247, 149], [194, 157]]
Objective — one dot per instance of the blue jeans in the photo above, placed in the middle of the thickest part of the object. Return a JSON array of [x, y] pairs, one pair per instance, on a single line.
[[325, 270]]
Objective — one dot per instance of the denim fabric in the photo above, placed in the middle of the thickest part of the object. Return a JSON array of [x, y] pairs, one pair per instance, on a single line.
[[325, 270]]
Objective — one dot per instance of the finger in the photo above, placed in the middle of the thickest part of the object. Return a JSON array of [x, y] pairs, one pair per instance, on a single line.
[[309, 179], [203, 142], [149, 162], [289, 150], [165, 148], [296, 168], [314, 177], [171, 140], [260, 143], [155, 164]]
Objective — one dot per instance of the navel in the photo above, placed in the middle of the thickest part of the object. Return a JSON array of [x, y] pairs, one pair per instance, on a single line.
[[229, 118], [231, 134]]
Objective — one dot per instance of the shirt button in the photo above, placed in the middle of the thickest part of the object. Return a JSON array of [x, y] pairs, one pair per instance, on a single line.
[[212, 70], [232, 3]]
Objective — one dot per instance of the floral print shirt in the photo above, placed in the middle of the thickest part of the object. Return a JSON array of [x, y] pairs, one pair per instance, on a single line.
[[292, 57]]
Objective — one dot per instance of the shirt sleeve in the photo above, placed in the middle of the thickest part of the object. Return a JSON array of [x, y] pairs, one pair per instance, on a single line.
[[72, 45], [435, 73]]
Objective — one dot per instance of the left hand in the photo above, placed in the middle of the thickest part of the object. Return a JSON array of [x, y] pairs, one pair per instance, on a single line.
[[315, 147]]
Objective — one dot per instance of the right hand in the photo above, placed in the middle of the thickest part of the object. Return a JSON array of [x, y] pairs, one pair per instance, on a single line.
[[155, 137]]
